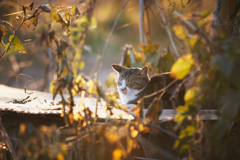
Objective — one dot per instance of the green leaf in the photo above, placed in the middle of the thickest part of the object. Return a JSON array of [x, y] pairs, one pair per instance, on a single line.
[[166, 62], [205, 14], [182, 66], [231, 103], [153, 58], [139, 65], [15, 45], [3, 32], [220, 128], [82, 22], [223, 63]]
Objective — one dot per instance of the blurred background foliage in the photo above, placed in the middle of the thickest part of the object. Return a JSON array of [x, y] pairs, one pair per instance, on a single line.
[[105, 12], [211, 62]]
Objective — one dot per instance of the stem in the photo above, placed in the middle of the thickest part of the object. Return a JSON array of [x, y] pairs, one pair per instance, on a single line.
[[8, 142], [141, 20], [109, 36], [166, 27], [149, 27]]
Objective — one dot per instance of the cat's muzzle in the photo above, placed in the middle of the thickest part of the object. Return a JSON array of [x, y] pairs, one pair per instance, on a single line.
[[124, 90]]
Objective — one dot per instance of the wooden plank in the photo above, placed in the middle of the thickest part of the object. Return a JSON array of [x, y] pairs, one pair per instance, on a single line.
[[44, 104]]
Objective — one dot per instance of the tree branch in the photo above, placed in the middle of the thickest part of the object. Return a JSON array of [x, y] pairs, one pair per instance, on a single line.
[[166, 27]]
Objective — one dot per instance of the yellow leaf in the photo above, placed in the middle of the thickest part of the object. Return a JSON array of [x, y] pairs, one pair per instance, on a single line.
[[3, 32], [193, 41], [140, 127], [34, 21], [79, 78], [58, 18], [27, 23], [93, 23], [179, 31], [134, 133], [81, 65], [22, 128], [112, 136], [110, 82], [67, 16], [191, 95], [52, 87], [129, 145], [117, 154], [75, 11], [148, 48], [77, 117], [60, 156], [75, 90], [176, 144], [182, 66], [154, 111], [1, 45], [179, 117], [65, 71], [71, 118]]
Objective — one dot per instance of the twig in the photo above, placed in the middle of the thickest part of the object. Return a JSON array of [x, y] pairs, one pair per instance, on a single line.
[[149, 27], [8, 142], [204, 35], [109, 36], [160, 23], [166, 27], [141, 20], [27, 82], [161, 90]]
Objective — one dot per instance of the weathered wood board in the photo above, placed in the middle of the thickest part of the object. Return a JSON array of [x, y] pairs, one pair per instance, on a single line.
[[42, 103]]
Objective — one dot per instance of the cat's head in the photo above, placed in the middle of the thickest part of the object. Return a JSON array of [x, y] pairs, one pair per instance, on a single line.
[[131, 79]]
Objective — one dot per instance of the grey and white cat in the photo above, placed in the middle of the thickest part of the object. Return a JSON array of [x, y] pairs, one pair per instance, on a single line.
[[134, 84]]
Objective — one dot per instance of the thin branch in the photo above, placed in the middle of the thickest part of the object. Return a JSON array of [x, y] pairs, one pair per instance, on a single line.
[[141, 20], [149, 27], [166, 27], [109, 36], [8, 142]]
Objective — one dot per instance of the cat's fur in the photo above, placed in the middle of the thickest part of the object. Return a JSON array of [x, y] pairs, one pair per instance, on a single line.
[[134, 84]]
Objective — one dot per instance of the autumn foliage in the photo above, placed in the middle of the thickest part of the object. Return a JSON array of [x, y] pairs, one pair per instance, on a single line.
[[209, 70]]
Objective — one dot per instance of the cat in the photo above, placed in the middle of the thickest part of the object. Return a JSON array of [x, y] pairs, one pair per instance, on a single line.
[[134, 84]]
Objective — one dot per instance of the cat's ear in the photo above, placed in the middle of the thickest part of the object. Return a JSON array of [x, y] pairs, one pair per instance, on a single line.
[[117, 68], [144, 70]]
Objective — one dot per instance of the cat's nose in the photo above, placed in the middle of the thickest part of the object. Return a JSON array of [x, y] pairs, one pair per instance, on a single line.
[[124, 90]]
